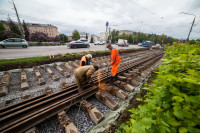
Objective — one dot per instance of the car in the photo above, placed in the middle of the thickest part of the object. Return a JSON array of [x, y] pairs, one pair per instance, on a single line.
[[101, 43], [14, 42], [78, 44], [122, 42], [97, 43], [84, 40], [139, 44]]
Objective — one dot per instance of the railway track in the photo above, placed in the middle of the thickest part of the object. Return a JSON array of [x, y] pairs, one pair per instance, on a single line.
[[28, 113]]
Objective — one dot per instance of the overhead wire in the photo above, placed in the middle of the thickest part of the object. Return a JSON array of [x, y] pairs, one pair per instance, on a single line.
[[60, 24]]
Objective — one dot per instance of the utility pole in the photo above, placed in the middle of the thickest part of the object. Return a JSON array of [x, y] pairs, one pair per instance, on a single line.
[[191, 29], [192, 24], [22, 33], [106, 34], [109, 35]]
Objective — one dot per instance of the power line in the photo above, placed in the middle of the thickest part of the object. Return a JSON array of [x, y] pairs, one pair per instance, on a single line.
[[133, 2], [47, 21]]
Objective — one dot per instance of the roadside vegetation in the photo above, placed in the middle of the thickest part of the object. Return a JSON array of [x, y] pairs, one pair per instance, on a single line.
[[43, 58], [46, 44], [172, 101], [22, 60]]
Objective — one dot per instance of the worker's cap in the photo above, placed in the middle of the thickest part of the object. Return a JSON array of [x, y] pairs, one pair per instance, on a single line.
[[89, 56]]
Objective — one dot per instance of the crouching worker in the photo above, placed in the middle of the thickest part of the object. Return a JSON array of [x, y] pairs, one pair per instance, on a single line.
[[83, 75], [85, 60]]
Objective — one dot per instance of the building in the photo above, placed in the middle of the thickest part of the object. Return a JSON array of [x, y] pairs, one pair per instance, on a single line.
[[50, 30], [83, 34], [95, 38], [103, 36], [70, 38], [128, 32]]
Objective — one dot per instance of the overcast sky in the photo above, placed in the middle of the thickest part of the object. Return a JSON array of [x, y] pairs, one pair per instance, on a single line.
[[149, 16]]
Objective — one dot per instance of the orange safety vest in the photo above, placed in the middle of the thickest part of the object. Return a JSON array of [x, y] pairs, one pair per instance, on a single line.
[[83, 59], [114, 57]]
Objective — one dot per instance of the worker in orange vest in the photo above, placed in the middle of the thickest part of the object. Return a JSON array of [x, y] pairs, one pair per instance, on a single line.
[[85, 60], [114, 60]]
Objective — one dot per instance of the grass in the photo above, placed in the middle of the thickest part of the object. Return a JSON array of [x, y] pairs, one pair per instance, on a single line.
[[42, 58], [22, 60]]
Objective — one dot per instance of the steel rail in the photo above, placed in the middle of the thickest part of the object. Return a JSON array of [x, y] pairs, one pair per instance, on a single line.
[[11, 123]]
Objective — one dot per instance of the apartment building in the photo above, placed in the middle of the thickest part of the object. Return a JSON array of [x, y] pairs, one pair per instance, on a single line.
[[128, 32], [49, 29]]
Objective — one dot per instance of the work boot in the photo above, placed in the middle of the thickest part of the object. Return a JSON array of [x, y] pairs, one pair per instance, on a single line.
[[112, 78]]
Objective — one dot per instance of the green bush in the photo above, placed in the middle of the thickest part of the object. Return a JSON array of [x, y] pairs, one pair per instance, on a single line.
[[172, 101], [45, 44]]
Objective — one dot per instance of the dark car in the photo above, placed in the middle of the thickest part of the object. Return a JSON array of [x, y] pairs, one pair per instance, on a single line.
[[78, 44]]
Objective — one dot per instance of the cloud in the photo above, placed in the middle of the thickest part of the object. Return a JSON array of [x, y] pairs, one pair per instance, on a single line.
[[149, 16]]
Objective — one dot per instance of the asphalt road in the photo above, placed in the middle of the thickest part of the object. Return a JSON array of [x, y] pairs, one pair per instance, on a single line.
[[12, 53]]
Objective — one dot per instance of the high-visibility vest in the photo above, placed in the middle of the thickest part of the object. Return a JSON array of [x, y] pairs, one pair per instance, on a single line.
[[114, 57], [83, 59]]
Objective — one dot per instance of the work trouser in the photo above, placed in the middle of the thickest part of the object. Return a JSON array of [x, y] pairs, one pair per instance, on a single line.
[[114, 69], [79, 81]]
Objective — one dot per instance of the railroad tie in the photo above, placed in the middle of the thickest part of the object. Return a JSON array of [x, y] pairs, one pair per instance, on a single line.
[[66, 123], [48, 90], [62, 71], [2, 104], [24, 81], [102, 97], [123, 85], [4, 84], [53, 76], [74, 64], [68, 67], [115, 91], [64, 85], [41, 80], [95, 115], [32, 130], [61, 54], [26, 96]]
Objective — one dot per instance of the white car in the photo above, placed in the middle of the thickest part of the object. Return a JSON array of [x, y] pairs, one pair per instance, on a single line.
[[101, 43], [139, 44], [97, 43]]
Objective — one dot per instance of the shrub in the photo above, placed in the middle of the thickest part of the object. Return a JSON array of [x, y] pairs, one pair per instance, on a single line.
[[172, 102]]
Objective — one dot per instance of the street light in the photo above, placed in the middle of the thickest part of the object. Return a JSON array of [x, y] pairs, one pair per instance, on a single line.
[[192, 23], [109, 30]]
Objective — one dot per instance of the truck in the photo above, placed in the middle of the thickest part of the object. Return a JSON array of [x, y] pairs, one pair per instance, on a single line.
[[147, 43], [122, 42]]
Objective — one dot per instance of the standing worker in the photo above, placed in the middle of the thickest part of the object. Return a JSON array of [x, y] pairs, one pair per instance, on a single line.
[[83, 75], [114, 60], [85, 60]]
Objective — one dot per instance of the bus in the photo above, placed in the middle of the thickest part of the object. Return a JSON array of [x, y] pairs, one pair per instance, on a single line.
[[147, 43]]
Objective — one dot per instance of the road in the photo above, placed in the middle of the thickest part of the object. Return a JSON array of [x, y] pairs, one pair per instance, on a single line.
[[12, 53]]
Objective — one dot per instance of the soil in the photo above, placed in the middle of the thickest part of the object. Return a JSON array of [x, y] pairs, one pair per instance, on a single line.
[[58, 59], [125, 115]]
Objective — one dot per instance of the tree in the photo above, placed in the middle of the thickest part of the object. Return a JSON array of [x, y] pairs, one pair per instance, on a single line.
[[130, 38], [26, 31], [91, 40], [14, 28], [63, 37], [2, 28], [56, 39], [2, 32], [75, 35], [38, 37]]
